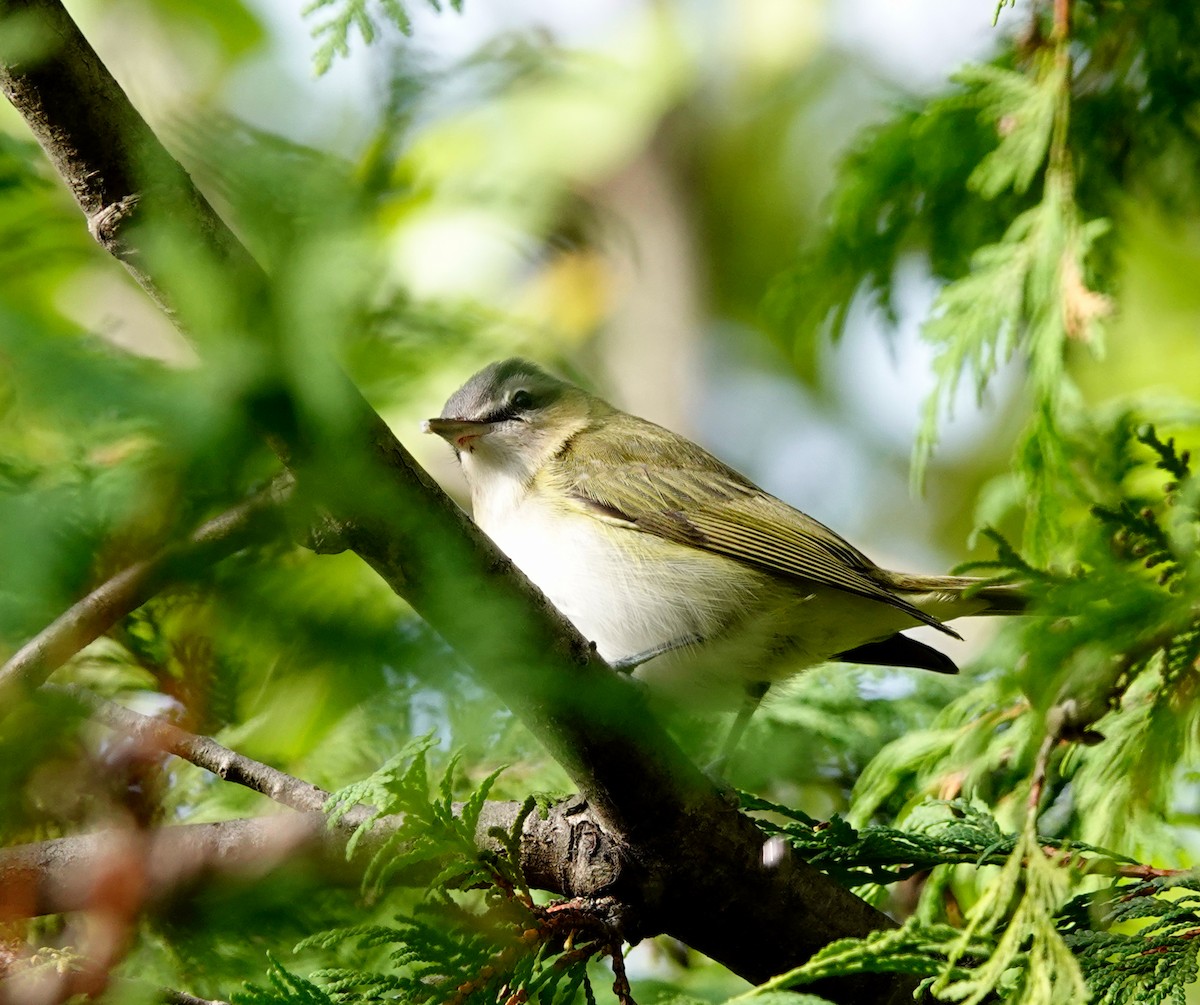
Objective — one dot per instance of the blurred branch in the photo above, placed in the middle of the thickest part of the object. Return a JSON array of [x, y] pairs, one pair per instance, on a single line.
[[65, 874], [206, 753], [96, 613], [699, 863]]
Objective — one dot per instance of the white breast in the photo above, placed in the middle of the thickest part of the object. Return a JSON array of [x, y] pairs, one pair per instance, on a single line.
[[628, 592]]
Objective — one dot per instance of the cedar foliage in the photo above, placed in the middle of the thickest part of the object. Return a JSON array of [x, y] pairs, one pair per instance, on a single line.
[[1032, 810]]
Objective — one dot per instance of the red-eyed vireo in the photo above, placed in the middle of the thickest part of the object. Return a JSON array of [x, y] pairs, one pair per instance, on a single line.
[[672, 562]]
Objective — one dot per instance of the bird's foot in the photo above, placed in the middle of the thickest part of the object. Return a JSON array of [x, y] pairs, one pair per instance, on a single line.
[[631, 663]]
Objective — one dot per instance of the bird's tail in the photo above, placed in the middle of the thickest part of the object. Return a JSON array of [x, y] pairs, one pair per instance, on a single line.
[[982, 596], [1002, 598]]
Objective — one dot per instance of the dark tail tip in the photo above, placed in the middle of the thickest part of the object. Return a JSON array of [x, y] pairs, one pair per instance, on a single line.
[[1004, 598]]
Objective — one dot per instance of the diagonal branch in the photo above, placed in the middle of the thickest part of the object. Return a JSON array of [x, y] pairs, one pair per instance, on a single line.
[[699, 862], [205, 752], [108, 603]]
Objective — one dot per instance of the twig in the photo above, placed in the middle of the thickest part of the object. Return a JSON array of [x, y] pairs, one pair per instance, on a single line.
[[96, 613], [621, 986], [1041, 769], [206, 753], [1062, 19], [1127, 870]]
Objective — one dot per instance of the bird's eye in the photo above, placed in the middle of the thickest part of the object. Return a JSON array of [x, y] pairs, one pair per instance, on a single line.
[[521, 400]]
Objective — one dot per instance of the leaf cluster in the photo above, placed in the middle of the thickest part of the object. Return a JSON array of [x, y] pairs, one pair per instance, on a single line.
[[937, 833]]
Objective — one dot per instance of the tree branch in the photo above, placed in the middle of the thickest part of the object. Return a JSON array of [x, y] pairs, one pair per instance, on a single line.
[[206, 753], [96, 613], [567, 851], [63, 874], [699, 862]]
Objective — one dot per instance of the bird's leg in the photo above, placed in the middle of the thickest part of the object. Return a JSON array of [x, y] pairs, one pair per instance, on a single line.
[[754, 695], [631, 663]]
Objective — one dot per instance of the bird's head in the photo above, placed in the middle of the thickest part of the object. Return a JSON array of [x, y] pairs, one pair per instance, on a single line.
[[511, 416]]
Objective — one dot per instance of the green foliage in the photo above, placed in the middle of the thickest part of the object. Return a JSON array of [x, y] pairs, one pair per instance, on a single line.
[[432, 835], [333, 34], [1025, 938], [914, 948], [284, 986], [935, 833], [1137, 941], [828, 724], [1104, 700], [477, 933], [1029, 955], [1028, 102], [1025, 272], [1109, 662], [1109, 654]]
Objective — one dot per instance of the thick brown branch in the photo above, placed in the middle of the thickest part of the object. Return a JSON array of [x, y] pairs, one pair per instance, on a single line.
[[96, 613], [699, 863], [567, 851]]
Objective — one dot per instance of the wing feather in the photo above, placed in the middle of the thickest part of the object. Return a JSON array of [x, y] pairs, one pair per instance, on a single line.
[[700, 502]]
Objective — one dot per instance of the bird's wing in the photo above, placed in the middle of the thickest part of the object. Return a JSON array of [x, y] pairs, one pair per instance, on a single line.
[[700, 502]]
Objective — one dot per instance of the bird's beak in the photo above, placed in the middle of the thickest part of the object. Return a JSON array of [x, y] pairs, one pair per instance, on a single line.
[[459, 433]]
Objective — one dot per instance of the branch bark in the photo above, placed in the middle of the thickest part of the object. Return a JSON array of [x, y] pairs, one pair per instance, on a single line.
[[699, 870], [567, 852]]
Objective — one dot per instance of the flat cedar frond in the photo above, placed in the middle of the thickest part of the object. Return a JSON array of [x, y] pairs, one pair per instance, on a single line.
[[345, 16], [914, 948], [898, 189], [433, 835], [1175, 462], [1029, 958], [454, 947], [879, 854], [1022, 106], [936, 833], [1153, 959], [284, 988]]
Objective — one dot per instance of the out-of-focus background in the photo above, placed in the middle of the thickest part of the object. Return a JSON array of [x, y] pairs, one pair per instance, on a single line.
[[699, 140]]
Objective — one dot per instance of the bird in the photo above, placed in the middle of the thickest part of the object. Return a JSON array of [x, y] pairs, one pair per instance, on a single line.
[[679, 569]]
